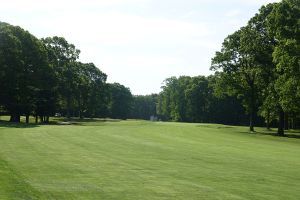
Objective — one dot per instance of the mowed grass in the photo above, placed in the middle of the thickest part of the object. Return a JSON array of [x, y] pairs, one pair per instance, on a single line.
[[146, 160]]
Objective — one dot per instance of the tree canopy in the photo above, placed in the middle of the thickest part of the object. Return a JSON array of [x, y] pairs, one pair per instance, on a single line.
[[44, 77]]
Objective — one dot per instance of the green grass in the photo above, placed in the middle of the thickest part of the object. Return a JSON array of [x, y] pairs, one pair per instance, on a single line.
[[146, 160]]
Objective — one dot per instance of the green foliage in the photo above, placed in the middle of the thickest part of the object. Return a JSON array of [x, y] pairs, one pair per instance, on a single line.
[[269, 108], [143, 107], [172, 99], [284, 24], [120, 101], [195, 99], [43, 77], [90, 90], [240, 71], [63, 58], [260, 63], [26, 77], [257, 63]]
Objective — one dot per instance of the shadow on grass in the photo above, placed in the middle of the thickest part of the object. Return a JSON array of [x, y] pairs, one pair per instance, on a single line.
[[83, 122], [287, 134], [59, 122], [7, 124], [225, 127], [218, 126]]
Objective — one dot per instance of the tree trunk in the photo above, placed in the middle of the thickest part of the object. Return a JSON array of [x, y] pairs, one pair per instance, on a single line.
[[68, 107], [268, 120], [27, 119], [41, 119], [36, 119], [293, 122], [252, 107], [280, 131], [251, 122], [47, 119], [286, 121], [79, 107], [15, 118]]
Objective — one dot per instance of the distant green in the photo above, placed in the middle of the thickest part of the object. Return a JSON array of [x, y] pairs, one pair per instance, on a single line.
[[146, 160]]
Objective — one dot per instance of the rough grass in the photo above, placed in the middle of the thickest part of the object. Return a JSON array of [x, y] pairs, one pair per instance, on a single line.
[[103, 159]]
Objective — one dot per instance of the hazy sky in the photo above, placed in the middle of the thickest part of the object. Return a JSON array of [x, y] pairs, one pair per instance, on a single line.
[[137, 43]]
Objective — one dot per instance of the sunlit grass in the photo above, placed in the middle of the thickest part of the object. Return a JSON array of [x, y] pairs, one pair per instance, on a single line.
[[111, 159]]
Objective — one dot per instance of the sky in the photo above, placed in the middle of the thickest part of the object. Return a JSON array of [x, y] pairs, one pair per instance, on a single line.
[[138, 43]]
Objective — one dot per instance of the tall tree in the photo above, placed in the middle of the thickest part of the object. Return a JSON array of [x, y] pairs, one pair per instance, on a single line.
[[197, 98], [24, 63], [240, 71], [172, 105], [90, 90], [63, 56], [11, 66], [264, 44], [283, 23]]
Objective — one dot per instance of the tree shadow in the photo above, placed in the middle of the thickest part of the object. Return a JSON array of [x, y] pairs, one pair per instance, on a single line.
[[6, 124], [225, 127], [83, 122], [287, 134], [293, 135], [294, 131], [60, 122], [74, 120]]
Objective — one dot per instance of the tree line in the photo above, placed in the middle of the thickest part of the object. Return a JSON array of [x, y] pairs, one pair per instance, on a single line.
[[194, 99], [257, 76], [260, 63], [43, 77], [256, 79]]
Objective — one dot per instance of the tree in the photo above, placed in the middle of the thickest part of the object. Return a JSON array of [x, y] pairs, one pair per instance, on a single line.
[[172, 104], [283, 23], [90, 90], [197, 95], [240, 71], [62, 57], [10, 63], [201, 102], [120, 101], [264, 45], [143, 106], [24, 63]]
